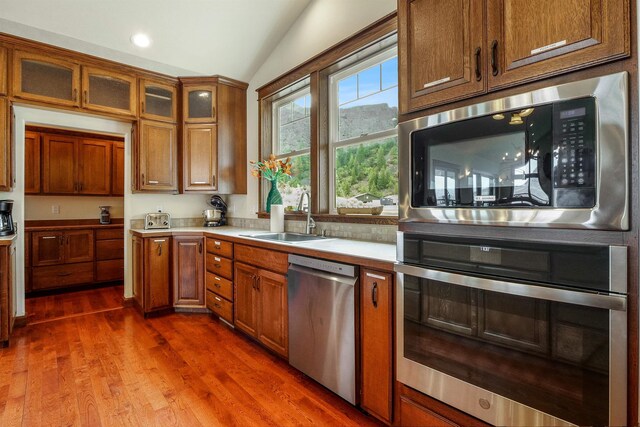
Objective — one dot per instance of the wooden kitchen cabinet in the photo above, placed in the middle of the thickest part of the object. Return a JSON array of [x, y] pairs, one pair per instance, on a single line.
[[441, 51], [7, 286], [108, 91], [376, 329], [3, 70], [188, 271], [219, 278], [214, 151], [109, 254], [199, 103], [6, 148], [158, 101], [444, 55], [59, 158], [532, 40], [94, 167], [200, 157], [152, 273], [117, 169], [61, 258], [45, 78], [260, 299], [157, 157], [32, 162]]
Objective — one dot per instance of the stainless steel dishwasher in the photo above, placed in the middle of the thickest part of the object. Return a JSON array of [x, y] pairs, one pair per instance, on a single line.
[[322, 322]]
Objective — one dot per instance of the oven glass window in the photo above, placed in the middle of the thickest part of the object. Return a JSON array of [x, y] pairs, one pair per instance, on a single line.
[[551, 356]]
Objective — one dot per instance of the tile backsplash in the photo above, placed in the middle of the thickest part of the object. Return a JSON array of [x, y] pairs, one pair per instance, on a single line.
[[366, 232]]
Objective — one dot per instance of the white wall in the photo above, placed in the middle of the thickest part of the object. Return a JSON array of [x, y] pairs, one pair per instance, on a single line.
[[321, 25], [70, 207]]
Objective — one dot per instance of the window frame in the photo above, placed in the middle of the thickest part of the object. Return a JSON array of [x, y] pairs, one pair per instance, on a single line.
[[334, 142], [275, 119], [314, 72]]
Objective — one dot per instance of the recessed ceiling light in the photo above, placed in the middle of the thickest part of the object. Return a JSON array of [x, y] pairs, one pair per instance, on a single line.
[[141, 40]]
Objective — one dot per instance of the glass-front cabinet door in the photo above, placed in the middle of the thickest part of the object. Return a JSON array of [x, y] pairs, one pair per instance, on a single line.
[[158, 100], [199, 103], [3, 70], [42, 78], [108, 91]]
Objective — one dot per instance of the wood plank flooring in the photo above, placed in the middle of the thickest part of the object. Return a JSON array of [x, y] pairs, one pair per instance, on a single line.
[[113, 368]]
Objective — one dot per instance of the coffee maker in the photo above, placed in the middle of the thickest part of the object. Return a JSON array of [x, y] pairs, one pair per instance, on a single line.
[[6, 220], [215, 217]]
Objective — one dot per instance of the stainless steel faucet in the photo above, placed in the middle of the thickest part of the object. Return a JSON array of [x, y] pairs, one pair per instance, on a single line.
[[311, 224]]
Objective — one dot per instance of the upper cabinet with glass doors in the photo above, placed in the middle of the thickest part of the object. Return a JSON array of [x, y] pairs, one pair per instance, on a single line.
[[108, 91], [199, 103], [158, 100], [42, 78]]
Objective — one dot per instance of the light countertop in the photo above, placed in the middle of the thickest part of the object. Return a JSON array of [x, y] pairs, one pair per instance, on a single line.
[[384, 252]]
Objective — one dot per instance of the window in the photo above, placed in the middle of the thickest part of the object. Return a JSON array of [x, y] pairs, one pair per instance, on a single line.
[[292, 138], [363, 114]]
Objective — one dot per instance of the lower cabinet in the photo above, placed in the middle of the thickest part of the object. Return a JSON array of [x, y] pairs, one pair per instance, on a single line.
[[261, 308], [376, 331], [7, 275], [416, 409], [188, 271], [151, 273]]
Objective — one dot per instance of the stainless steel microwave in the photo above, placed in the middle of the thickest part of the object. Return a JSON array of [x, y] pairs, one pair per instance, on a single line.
[[554, 157]]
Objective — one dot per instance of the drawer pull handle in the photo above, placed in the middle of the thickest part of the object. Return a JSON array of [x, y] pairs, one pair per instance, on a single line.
[[375, 276], [216, 305], [217, 285], [217, 299], [217, 265], [215, 242], [217, 278], [216, 258]]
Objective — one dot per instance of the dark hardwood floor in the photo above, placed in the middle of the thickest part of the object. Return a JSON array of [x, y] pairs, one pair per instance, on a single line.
[[112, 367]]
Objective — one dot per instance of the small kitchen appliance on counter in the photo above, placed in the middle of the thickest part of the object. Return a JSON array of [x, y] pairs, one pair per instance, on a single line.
[[105, 216], [6, 219], [215, 217], [157, 220]]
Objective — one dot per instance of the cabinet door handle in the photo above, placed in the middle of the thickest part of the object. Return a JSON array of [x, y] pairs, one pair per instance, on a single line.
[[142, 106], [49, 237], [374, 295], [67, 240], [61, 240], [494, 57], [75, 95], [86, 97], [200, 247], [213, 180], [142, 179], [159, 249], [258, 282], [478, 72]]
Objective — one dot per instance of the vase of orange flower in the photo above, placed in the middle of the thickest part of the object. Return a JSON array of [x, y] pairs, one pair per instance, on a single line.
[[273, 171]]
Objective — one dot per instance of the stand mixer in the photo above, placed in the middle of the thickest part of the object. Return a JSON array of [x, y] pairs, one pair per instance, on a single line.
[[215, 217]]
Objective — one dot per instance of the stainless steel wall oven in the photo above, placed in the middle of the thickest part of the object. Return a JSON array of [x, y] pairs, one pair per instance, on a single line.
[[514, 333], [553, 157]]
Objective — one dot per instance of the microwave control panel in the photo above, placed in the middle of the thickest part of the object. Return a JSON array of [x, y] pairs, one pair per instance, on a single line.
[[574, 158]]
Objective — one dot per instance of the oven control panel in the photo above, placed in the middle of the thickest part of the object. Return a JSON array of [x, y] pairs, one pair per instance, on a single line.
[[574, 159]]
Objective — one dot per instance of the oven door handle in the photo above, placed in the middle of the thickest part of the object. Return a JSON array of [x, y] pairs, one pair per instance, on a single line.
[[609, 302]]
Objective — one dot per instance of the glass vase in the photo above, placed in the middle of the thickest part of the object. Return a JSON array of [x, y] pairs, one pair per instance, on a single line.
[[274, 197]]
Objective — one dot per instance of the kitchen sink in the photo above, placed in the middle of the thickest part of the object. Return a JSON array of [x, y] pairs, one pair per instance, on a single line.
[[286, 237]]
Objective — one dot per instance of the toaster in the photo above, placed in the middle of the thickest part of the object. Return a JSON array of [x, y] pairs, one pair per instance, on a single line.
[[157, 220]]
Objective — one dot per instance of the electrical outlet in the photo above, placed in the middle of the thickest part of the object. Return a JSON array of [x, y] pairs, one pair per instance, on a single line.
[[55, 209], [159, 208]]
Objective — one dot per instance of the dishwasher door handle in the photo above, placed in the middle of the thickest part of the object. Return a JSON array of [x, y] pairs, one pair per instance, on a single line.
[[323, 275]]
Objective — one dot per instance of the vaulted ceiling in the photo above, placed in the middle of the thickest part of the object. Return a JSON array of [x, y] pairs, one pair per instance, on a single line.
[[189, 37]]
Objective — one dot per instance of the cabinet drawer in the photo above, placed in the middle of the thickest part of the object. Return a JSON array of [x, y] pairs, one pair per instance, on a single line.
[[110, 270], [220, 247], [110, 233], [109, 249], [265, 258], [56, 276], [220, 306], [220, 266], [220, 286]]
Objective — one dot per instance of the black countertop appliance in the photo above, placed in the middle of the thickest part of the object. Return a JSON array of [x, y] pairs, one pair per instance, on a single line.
[[6, 220]]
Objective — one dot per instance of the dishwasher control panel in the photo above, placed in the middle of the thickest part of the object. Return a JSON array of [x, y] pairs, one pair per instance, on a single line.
[[323, 265]]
